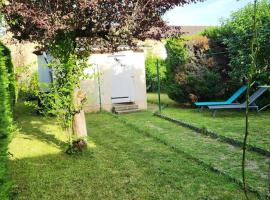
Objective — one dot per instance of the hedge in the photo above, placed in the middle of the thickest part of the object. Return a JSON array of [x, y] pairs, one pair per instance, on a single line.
[[212, 65], [7, 101], [191, 73], [151, 72]]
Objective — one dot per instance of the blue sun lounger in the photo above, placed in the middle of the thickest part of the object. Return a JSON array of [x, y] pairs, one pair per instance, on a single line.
[[252, 104], [229, 101]]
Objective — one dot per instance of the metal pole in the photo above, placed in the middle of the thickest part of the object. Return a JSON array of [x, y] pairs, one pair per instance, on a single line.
[[99, 90], [158, 78]]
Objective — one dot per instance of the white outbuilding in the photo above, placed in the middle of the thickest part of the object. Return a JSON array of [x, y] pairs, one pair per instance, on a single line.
[[116, 81]]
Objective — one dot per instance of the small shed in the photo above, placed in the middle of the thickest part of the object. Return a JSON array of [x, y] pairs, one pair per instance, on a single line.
[[116, 81]]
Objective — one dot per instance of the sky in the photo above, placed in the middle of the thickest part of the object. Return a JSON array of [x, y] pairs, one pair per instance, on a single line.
[[206, 13]]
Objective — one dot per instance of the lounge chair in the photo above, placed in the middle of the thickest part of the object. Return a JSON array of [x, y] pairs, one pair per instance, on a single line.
[[253, 98], [229, 101]]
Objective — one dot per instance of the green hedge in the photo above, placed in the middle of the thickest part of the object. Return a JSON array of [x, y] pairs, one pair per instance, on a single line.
[[190, 72], [151, 72], [11, 75], [236, 33], [213, 67], [7, 100]]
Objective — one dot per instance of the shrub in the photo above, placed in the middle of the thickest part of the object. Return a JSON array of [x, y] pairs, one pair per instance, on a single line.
[[190, 71], [10, 74], [151, 72], [6, 94], [29, 87], [235, 37]]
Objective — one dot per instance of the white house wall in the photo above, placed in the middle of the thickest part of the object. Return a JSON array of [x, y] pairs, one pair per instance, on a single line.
[[103, 62]]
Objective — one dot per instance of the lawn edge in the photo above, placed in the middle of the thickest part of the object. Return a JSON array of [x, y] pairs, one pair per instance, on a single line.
[[214, 135]]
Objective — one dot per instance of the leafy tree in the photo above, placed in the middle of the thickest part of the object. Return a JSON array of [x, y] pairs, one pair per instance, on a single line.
[[69, 29], [236, 34]]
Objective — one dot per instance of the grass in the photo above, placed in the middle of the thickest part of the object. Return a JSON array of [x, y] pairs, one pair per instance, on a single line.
[[230, 124], [165, 100], [121, 163], [221, 156], [226, 123], [4, 182]]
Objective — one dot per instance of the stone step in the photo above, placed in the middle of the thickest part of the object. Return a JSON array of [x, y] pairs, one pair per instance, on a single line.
[[125, 107], [127, 111]]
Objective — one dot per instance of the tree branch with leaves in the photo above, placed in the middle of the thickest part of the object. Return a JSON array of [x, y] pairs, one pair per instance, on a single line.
[[69, 30]]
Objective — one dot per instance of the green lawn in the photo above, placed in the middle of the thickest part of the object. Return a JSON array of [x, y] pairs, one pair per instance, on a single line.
[[165, 100], [230, 124], [121, 162], [226, 123], [222, 156]]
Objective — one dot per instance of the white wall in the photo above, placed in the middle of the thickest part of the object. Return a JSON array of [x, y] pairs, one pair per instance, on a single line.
[[105, 64]]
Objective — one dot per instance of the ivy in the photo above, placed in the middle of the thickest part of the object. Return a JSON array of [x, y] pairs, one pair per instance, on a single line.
[[68, 70]]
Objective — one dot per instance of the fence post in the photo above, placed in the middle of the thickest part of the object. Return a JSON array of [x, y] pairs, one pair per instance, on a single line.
[[99, 90], [158, 79]]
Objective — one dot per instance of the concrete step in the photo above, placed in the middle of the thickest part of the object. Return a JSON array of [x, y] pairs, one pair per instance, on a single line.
[[127, 111], [122, 107]]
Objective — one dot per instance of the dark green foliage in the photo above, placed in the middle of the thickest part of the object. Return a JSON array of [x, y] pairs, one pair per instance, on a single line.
[[151, 72], [235, 36], [239, 28], [7, 94], [11, 75], [191, 72], [208, 87], [195, 65]]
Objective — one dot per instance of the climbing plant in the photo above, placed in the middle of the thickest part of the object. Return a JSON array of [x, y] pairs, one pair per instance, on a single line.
[[68, 70], [69, 29]]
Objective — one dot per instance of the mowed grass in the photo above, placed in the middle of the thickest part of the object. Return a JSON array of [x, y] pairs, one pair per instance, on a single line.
[[222, 156], [120, 163], [226, 123], [165, 100]]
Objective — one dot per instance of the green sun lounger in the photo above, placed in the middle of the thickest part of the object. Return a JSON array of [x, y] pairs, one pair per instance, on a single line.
[[229, 101]]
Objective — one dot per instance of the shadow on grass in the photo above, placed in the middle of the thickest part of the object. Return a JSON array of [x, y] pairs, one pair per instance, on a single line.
[[37, 126]]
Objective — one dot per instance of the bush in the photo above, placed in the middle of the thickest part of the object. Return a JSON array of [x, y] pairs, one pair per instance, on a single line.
[[238, 30], [6, 102], [190, 71], [11, 75], [235, 36], [151, 72], [221, 55], [29, 87]]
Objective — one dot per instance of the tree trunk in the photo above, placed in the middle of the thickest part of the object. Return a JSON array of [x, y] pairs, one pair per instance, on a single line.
[[79, 124]]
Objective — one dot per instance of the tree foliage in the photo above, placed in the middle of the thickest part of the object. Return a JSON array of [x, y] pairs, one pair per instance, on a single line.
[[236, 34], [107, 23], [190, 71], [69, 29], [226, 60]]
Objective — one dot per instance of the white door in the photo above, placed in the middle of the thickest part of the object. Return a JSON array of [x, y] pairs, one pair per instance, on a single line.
[[122, 80]]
